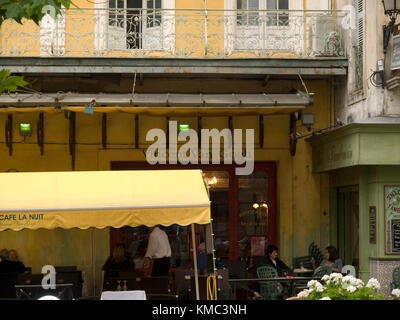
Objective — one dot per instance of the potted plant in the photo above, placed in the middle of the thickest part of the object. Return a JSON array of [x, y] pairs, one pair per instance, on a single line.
[[338, 287]]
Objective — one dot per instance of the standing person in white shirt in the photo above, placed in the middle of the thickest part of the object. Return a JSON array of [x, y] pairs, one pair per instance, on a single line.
[[159, 250]]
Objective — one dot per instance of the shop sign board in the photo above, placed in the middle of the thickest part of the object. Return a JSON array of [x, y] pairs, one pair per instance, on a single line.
[[392, 219]]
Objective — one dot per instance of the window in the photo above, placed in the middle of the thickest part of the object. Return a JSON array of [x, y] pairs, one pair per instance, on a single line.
[[249, 18], [117, 12], [153, 16], [277, 19], [219, 196], [135, 241], [359, 48], [252, 17]]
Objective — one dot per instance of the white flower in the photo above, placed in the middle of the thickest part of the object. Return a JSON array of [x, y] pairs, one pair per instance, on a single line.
[[303, 294], [373, 284], [312, 283], [349, 279], [325, 298], [351, 289], [320, 288], [358, 283], [315, 285], [326, 278], [336, 278], [396, 293]]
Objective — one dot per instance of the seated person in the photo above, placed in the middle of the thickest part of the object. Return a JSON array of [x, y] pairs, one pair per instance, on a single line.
[[12, 263], [4, 260], [331, 259], [118, 262], [272, 260]]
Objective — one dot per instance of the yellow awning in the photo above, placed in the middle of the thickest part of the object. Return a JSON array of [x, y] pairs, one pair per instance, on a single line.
[[102, 199]]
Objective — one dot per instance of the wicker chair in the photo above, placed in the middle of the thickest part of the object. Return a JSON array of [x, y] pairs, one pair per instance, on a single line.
[[322, 271], [269, 290]]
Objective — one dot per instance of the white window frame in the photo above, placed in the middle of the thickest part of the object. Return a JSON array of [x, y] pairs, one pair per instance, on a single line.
[[150, 35], [52, 35]]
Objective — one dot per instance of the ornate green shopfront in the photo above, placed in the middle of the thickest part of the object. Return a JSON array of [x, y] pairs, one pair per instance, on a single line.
[[363, 163]]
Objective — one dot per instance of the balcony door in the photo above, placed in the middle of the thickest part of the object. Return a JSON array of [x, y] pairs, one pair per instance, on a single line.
[[135, 25], [255, 26]]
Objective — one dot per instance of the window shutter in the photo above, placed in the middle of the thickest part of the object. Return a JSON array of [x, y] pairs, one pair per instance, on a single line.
[[359, 52]]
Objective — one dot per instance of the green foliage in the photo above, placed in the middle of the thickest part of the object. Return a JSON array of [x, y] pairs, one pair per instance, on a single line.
[[28, 9], [10, 83]]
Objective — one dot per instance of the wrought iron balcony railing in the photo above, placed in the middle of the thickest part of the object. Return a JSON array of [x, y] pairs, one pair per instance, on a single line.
[[179, 33]]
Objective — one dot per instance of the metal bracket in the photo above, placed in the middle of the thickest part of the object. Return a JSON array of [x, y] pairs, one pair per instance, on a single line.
[[72, 138], [293, 134], [9, 135], [261, 131], [104, 131], [387, 31], [40, 133], [136, 131], [167, 132], [199, 127]]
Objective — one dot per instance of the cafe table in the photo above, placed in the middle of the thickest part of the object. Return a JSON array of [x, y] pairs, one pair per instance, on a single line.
[[302, 272], [290, 280]]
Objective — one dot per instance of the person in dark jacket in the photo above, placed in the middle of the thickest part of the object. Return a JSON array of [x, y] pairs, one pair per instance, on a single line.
[[117, 262], [272, 260], [10, 262], [4, 260]]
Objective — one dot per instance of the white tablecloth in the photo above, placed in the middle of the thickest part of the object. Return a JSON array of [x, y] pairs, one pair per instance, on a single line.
[[123, 295]]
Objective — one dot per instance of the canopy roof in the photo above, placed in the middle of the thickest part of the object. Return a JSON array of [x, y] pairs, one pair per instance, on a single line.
[[102, 199], [159, 104]]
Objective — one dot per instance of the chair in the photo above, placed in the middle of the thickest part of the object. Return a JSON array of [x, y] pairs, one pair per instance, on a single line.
[[224, 289], [269, 290], [315, 252], [349, 270], [304, 261], [7, 283], [182, 285], [322, 271], [318, 273], [395, 283]]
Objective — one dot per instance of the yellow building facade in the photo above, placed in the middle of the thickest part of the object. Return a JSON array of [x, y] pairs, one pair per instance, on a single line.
[[81, 64]]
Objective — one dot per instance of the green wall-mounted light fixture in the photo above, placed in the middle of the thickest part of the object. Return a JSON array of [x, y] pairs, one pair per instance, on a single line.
[[183, 127], [25, 129]]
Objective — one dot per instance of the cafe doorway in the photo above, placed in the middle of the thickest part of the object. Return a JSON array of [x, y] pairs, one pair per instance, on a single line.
[[348, 225], [243, 209]]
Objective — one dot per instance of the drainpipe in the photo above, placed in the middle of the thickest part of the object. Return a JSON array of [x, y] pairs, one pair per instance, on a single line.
[[205, 27]]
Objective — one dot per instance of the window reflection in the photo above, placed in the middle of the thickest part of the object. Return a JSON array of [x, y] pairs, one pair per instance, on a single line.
[[136, 239]]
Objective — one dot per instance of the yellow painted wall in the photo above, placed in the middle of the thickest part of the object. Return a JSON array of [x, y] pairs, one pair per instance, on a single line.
[[302, 196]]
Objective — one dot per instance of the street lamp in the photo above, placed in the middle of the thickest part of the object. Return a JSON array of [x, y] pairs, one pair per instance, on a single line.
[[392, 9]]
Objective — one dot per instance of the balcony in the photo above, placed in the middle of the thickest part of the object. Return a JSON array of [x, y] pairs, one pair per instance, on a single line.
[[167, 33]]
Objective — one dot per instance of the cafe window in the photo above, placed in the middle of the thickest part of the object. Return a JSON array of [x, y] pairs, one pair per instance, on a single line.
[[135, 241], [218, 182], [243, 209], [253, 213]]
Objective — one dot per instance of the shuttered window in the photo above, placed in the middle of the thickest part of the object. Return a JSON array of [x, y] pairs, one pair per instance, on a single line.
[[359, 48]]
